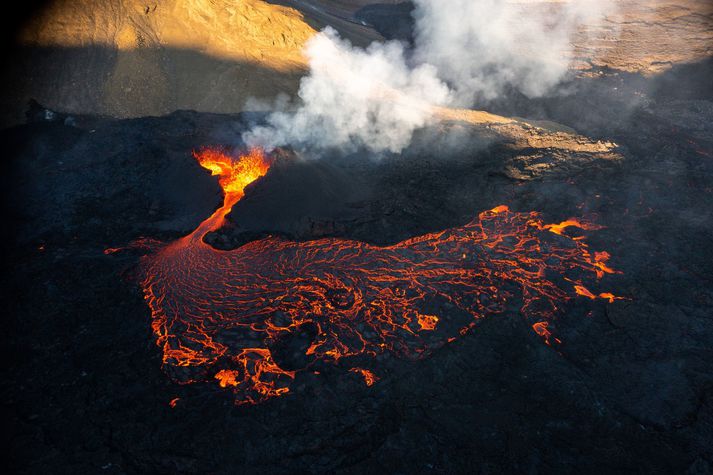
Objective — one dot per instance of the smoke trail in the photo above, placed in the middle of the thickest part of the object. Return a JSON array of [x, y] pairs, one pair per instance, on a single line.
[[369, 98], [464, 50]]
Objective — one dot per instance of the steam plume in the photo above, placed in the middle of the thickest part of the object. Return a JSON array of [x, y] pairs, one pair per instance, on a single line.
[[368, 98], [481, 46], [464, 50]]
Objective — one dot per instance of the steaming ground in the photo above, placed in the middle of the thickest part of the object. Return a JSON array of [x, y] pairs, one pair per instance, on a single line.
[[628, 390]]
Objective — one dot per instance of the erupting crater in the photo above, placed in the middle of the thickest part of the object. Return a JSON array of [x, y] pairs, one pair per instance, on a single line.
[[224, 316]]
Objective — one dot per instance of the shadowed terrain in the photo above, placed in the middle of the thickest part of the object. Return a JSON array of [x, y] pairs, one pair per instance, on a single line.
[[102, 166], [129, 58], [629, 387]]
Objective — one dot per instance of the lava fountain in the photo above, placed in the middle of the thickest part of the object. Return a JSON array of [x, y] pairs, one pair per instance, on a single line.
[[226, 316]]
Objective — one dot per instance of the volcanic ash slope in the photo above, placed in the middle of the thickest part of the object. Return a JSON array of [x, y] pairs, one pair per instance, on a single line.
[[127, 58]]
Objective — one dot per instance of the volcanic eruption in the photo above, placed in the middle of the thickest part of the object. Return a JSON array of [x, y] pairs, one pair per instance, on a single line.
[[345, 237], [221, 314]]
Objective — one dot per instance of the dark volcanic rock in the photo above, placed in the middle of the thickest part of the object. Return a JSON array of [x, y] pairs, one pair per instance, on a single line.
[[629, 389], [109, 181], [386, 199], [289, 350]]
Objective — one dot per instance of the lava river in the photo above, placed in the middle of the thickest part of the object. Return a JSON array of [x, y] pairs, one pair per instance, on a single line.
[[225, 316]]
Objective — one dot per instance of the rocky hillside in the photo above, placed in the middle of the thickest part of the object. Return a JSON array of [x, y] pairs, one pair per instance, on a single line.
[[132, 58], [648, 36], [637, 36], [129, 58]]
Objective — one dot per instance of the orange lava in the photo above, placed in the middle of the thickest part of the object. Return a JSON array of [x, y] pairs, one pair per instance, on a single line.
[[542, 329], [584, 292], [369, 377], [427, 322], [217, 314], [234, 176]]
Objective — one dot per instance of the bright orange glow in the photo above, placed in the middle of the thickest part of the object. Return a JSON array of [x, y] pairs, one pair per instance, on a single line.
[[559, 228], [541, 328], [427, 322], [584, 292], [234, 175], [215, 314], [600, 262], [500, 209], [369, 377], [227, 377]]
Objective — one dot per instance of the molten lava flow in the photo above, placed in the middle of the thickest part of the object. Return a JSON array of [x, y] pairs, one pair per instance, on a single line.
[[369, 377], [234, 175], [542, 329], [220, 315]]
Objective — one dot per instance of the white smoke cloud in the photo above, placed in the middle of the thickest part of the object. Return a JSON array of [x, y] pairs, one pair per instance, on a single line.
[[464, 50], [481, 46], [368, 98]]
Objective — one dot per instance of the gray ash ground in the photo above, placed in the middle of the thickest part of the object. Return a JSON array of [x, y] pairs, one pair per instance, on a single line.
[[630, 389]]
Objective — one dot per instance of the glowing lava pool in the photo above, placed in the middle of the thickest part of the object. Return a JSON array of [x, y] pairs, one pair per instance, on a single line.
[[219, 315]]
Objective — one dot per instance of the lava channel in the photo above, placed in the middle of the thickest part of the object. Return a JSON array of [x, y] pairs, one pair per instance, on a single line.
[[224, 316]]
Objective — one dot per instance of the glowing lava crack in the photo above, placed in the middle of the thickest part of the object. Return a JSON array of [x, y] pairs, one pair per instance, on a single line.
[[218, 315]]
